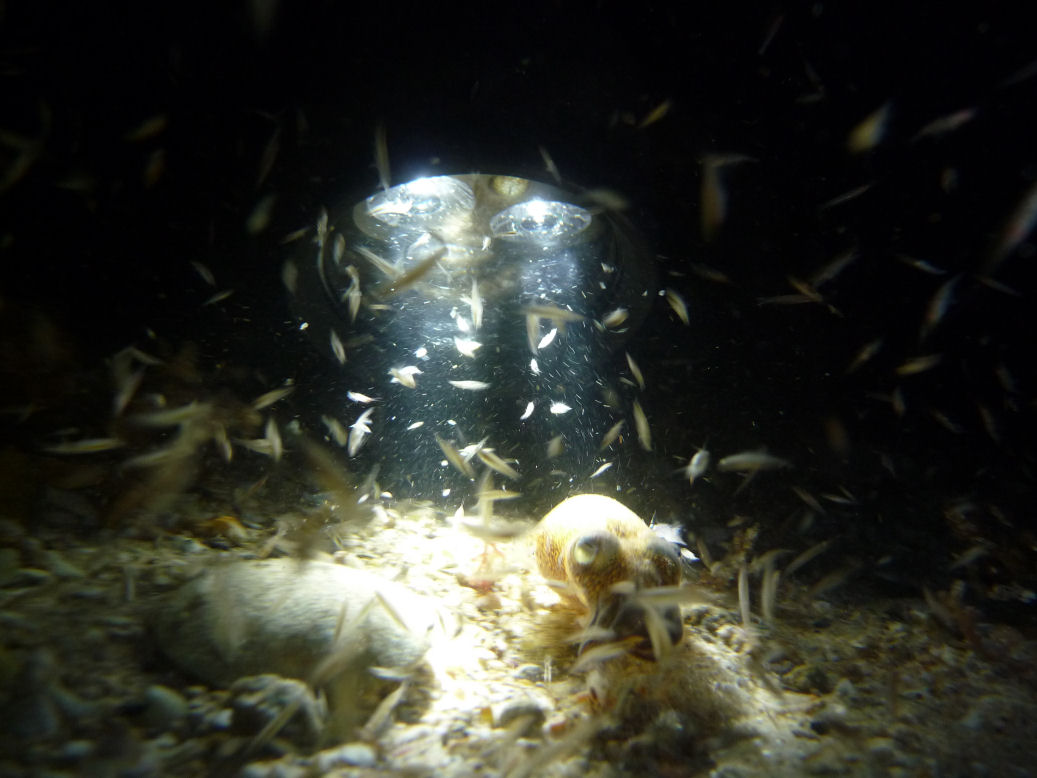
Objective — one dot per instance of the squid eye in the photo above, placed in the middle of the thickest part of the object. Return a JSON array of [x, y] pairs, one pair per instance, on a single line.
[[585, 550]]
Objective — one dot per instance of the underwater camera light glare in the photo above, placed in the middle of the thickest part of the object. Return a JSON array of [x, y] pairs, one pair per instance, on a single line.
[[541, 222], [424, 204], [471, 307]]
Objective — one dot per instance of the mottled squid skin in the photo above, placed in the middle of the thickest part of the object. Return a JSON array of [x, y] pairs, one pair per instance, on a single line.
[[592, 542]]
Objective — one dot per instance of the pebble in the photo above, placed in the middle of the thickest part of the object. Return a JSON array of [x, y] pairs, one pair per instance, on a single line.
[[506, 712], [488, 602], [348, 755], [829, 762], [882, 749], [164, 707], [818, 680], [274, 770], [219, 720], [845, 689], [834, 716], [122, 626], [529, 672], [730, 771], [75, 750], [808, 679], [185, 545]]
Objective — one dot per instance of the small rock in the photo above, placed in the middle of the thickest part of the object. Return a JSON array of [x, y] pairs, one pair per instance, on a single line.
[[779, 661], [165, 707], [274, 770], [882, 749], [75, 750], [186, 545], [506, 713], [488, 602], [348, 755], [829, 762], [832, 717], [845, 689], [122, 626], [808, 679], [219, 720], [818, 680], [730, 771], [529, 672]]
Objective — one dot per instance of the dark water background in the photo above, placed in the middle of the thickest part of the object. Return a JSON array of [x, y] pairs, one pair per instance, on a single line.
[[481, 92]]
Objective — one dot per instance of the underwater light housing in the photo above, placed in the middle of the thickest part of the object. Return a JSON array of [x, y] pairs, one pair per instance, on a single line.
[[482, 313]]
